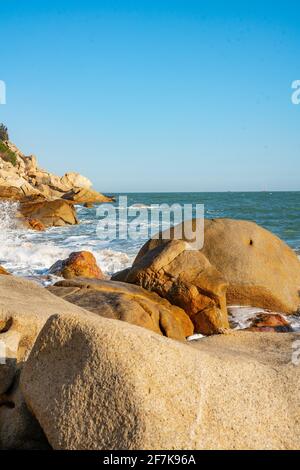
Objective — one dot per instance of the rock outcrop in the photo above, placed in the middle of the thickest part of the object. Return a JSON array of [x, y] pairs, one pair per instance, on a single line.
[[75, 180], [260, 269], [128, 303], [79, 264], [121, 387], [20, 176], [49, 213], [187, 279], [85, 196], [12, 193]]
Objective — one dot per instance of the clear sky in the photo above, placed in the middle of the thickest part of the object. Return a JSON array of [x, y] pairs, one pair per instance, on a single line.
[[156, 95]]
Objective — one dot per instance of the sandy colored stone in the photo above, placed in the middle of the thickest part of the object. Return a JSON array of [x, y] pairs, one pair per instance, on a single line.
[[53, 182], [75, 180], [121, 387], [85, 195], [261, 270], [187, 279], [10, 193], [50, 213], [30, 164], [3, 271], [127, 303], [12, 178], [24, 308], [48, 192], [79, 264]]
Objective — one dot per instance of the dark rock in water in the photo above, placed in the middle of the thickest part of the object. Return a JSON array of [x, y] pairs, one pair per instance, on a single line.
[[120, 275]]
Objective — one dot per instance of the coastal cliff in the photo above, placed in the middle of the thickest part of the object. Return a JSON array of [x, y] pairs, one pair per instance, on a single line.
[[44, 197]]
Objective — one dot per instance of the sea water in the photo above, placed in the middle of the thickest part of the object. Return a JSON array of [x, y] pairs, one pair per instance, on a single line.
[[30, 254]]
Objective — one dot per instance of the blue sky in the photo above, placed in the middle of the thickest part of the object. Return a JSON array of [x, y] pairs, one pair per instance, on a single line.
[[156, 95]]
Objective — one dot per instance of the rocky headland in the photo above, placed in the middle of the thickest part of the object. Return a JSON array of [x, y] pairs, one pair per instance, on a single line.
[[44, 199]]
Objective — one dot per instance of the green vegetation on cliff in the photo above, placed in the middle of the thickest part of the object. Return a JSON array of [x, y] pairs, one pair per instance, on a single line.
[[7, 154], [3, 132]]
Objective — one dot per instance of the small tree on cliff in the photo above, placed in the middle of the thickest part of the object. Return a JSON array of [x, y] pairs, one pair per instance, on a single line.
[[3, 132]]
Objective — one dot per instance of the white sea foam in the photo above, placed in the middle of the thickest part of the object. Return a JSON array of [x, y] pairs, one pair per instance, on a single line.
[[241, 316], [31, 254]]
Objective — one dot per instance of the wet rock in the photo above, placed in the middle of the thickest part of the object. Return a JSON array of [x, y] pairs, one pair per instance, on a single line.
[[50, 213], [270, 322], [79, 264]]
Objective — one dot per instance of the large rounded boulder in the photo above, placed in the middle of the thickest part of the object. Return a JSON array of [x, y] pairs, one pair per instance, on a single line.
[[187, 279], [260, 269], [99, 384]]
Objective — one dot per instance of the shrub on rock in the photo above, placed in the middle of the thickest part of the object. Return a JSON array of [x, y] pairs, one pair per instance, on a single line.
[[3, 132]]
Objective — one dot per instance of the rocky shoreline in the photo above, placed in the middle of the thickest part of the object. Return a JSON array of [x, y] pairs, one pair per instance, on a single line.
[[98, 363]]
